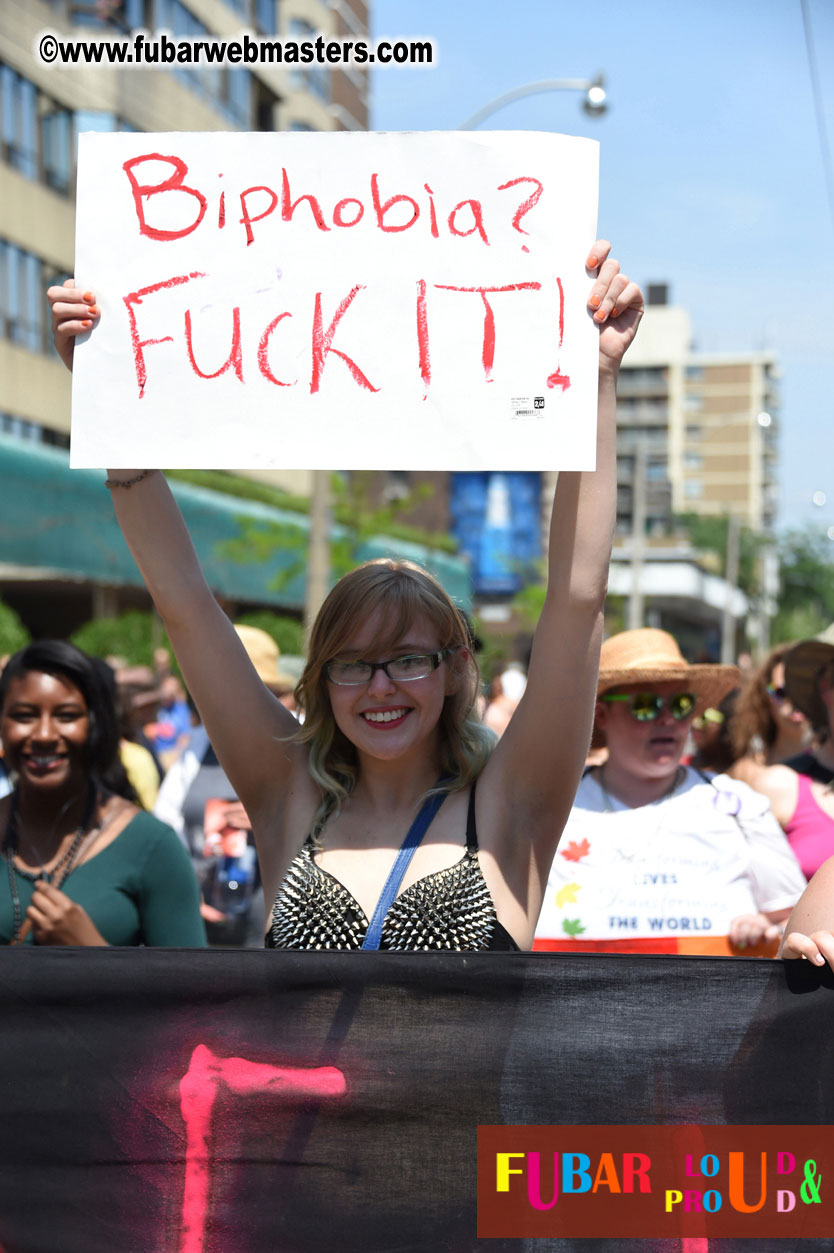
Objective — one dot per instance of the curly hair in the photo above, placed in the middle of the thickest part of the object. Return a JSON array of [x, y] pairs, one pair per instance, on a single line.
[[400, 592], [753, 725], [57, 657]]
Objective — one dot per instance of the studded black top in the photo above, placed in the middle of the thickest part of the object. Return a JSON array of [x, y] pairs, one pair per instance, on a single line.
[[450, 909]]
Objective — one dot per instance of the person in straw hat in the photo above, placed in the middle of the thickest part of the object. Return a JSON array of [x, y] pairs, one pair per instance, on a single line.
[[656, 856]]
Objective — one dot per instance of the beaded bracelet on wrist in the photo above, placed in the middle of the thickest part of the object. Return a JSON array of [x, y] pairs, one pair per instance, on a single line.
[[137, 478]]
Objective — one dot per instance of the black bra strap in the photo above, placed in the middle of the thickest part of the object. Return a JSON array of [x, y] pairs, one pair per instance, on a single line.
[[471, 830]]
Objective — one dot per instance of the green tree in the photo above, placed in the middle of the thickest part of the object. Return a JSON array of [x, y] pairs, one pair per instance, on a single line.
[[709, 535], [13, 634], [131, 636], [806, 576], [358, 520]]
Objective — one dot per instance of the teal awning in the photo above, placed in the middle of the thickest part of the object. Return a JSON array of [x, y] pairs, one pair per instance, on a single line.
[[61, 522]]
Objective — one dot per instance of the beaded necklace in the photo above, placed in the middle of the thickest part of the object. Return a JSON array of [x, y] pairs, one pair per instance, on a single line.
[[59, 872]]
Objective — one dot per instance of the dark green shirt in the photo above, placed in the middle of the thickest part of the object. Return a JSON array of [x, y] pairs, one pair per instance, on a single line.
[[140, 889]]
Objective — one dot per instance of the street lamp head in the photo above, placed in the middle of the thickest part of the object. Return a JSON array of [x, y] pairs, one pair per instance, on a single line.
[[596, 98]]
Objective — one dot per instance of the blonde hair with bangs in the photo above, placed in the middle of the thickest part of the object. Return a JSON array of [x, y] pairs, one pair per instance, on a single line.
[[401, 592]]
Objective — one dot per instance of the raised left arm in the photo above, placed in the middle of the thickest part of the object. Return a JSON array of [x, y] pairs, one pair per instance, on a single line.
[[530, 783]]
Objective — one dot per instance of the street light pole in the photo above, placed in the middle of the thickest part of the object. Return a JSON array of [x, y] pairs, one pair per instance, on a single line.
[[318, 562], [318, 553], [594, 104]]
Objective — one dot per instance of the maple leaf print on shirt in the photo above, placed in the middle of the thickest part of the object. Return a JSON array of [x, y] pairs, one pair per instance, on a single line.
[[575, 851], [572, 926], [567, 894]]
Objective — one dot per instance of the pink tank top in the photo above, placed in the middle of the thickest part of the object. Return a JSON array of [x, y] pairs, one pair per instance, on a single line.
[[810, 831]]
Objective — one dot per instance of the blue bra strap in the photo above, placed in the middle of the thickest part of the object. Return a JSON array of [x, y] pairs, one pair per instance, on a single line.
[[416, 831]]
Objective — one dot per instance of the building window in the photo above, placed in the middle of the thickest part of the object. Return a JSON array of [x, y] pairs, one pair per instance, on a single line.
[[317, 79], [656, 470], [693, 461], [238, 102], [227, 89], [693, 489], [693, 402], [265, 16], [124, 15], [56, 147], [36, 136], [694, 373], [19, 122], [22, 428], [23, 282], [694, 432]]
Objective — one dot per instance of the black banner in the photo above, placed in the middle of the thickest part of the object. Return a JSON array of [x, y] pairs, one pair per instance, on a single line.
[[159, 1101]]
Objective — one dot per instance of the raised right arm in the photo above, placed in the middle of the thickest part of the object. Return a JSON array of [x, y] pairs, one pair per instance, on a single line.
[[248, 727]]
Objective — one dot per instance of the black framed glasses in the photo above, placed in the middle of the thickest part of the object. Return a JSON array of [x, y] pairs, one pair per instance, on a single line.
[[399, 669], [648, 706]]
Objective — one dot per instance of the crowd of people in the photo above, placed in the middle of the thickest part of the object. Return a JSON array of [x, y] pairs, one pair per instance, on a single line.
[[676, 841], [391, 809]]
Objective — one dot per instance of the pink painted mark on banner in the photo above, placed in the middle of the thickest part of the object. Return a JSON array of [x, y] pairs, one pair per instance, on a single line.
[[198, 1091]]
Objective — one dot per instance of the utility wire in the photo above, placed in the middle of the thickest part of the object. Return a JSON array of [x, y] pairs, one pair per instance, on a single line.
[[822, 130]]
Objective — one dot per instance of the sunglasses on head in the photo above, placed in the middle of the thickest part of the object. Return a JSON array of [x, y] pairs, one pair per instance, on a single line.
[[710, 717], [648, 706]]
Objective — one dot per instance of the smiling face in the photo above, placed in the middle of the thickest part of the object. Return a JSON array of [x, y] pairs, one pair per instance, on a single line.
[[45, 727], [645, 750], [383, 718]]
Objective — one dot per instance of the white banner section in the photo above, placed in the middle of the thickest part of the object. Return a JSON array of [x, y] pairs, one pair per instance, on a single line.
[[323, 301]]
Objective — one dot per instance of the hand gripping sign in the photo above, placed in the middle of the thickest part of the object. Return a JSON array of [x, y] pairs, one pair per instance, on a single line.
[[336, 300]]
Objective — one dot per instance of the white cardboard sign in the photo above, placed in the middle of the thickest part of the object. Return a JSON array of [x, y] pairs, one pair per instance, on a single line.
[[333, 300]]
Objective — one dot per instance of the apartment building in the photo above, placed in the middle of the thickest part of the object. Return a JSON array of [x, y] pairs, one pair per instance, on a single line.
[[55, 540], [43, 109], [704, 425]]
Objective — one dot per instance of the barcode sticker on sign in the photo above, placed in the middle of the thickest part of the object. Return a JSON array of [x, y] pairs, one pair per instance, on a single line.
[[527, 406]]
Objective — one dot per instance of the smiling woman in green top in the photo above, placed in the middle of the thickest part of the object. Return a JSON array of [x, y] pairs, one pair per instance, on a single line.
[[81, 864]]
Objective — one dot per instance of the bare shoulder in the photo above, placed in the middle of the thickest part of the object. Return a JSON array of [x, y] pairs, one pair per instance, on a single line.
[[747, 770], [780, 785]]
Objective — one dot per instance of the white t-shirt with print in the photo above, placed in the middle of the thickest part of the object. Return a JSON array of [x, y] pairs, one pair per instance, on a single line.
[[683, 866]]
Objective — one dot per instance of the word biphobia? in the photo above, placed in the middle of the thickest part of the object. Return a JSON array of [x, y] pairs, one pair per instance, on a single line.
[[391, 214]]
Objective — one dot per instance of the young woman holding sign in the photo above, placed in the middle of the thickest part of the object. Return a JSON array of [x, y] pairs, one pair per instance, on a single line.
[[391, 746]]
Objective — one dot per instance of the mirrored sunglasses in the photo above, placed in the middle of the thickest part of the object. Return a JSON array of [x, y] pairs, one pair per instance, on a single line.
[[776, 693], [648, 706], [399, 669]]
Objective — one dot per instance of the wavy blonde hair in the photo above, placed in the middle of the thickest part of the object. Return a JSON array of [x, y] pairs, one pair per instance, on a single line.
[[400, 592]]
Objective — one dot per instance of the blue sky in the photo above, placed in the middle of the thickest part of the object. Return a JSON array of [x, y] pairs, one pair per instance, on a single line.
[[712, 175]]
